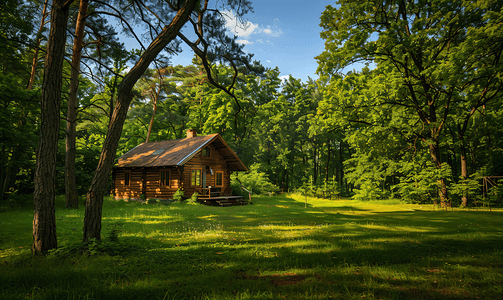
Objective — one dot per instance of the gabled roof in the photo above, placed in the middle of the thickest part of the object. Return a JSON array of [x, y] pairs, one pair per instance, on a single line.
[[173, 153]]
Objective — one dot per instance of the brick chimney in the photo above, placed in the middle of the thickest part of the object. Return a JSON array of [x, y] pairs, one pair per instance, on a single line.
[[191, 133]]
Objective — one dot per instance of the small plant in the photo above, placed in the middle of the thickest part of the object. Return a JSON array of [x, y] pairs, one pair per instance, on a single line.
[[115, 230], [143, 197], [193, 198], [179, 195]]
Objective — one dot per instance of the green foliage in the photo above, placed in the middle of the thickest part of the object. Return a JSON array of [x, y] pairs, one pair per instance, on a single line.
[[466, 187], [179, 195], [254, 181], [193, 198], [330, 189], [494, 196], [114, 230], [425, 90], [16, 202], [422, 185]]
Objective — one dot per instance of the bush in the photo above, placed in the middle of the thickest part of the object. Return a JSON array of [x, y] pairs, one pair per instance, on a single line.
[[494, 197], [193, 198], [254, 181], [14, 201], [179, 195]]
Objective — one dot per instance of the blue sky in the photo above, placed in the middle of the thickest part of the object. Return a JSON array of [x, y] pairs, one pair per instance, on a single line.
[[280, 33], [285, 34]]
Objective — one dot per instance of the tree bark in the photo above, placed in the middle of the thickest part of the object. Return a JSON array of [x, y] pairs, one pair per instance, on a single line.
[[435, 157], [464, 171], [154, 100], [97, 190], [71, 194], [44, 217], [327, 166]]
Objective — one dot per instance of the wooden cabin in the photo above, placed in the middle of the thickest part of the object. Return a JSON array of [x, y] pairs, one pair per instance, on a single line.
[[201, 164]]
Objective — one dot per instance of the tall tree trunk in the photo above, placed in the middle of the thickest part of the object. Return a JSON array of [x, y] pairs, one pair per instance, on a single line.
[[37, 45], [71, 194], [151, 122], [156, 97], [464, 171], [341, 164], [328, 160], [44, 216], [315, 165], [97, 190], [435, 157], [112, 99]]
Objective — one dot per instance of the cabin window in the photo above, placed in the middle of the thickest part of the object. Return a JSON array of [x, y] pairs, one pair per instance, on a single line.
[[195, 177], [206, 152], [126, 178], [219, 181], [164, 178]]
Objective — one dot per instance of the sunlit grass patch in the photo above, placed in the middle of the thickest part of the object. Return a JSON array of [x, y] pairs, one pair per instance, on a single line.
[[273, 249]]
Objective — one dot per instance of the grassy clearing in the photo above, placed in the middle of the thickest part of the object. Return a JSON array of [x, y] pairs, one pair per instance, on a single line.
[[274, 249]]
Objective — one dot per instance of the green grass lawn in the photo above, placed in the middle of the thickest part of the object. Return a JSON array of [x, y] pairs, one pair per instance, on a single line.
[[273, 249]]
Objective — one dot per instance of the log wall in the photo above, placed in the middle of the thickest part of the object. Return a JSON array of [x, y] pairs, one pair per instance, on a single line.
[[148, 180]]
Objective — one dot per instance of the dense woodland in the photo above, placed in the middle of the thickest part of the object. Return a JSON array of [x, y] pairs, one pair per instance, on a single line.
[[408, 103]]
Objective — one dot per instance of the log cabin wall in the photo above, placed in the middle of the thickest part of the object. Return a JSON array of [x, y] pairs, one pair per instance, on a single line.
[[150, 178], [128, 183], [215, 162], [157, 187]]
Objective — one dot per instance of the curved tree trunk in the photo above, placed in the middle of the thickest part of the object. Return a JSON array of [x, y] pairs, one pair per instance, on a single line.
[[44, 219], [37, 45], [97, 190], [71, 194]]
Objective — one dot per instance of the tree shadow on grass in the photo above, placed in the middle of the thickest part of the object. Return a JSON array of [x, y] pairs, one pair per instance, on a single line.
[[387, 270], [273, 253]]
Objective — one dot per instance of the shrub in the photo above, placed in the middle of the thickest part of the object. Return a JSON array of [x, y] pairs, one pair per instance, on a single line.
[[254, 181], [179, 195], [193, 198]]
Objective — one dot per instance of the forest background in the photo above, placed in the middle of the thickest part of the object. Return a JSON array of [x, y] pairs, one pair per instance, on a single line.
[[421, 121]]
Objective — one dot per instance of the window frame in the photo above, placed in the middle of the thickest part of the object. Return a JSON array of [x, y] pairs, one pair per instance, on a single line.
[[164, 178], [206, 152], [127, 178], [195, 178], [221, 178]]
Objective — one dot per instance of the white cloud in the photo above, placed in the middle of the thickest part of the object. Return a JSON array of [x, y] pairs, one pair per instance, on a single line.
[[284, 78], [245, 42], [268, 61], [247, 28], [273, 31]]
